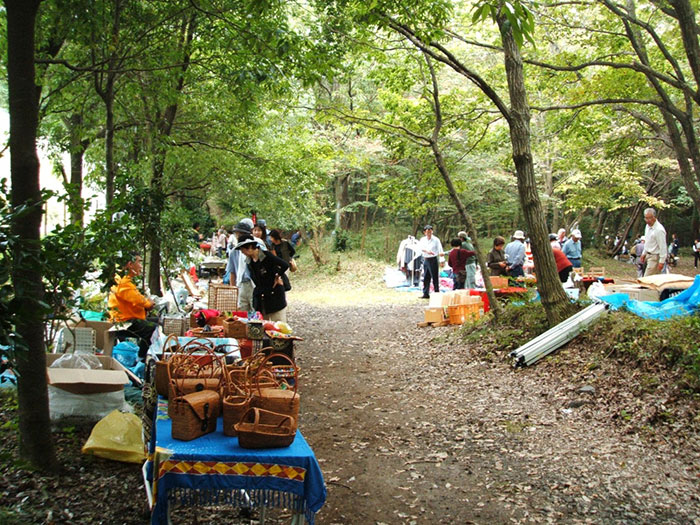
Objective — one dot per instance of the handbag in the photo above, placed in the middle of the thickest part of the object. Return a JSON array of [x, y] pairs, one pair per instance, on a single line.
[[283, 399], [194, 415], [293, 265], [191, 373], [285, 282]]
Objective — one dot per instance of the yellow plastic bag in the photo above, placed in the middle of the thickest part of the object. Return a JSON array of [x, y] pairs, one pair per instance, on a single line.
[[117, 436]]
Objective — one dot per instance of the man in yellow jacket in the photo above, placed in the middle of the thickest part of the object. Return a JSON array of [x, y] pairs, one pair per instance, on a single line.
[[127, 304]]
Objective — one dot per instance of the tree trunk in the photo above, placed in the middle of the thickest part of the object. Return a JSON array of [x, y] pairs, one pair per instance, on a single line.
[[341, 200], [36, 445], [442, 167], [77, 152], [364, 218], [106, 93], [554, 300]]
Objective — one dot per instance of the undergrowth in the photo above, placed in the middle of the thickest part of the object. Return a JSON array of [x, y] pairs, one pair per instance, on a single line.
[[518, 324], [671, 344]]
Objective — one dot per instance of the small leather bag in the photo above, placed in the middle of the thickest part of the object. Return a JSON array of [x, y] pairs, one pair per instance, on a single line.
[[194, 415]]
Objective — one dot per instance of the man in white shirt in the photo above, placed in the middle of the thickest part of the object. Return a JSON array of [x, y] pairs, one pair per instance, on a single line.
[[655, 249], [432, 250]]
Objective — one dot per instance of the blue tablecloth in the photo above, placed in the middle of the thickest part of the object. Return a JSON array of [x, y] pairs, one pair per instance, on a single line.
[[213, 469]]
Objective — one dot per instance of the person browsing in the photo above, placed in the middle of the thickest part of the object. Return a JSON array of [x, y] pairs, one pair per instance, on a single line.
[[266, 272], [431, 249], [515, 254], [655, 250], [572, 248]]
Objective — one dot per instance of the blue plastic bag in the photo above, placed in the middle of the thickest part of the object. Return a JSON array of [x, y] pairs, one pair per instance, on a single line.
[[126, 353]]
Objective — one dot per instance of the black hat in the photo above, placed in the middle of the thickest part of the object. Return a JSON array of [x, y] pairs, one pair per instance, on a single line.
[[427, 227], [247, 240], [242, 227]]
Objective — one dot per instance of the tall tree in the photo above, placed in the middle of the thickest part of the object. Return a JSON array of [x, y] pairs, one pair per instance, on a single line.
[[36, 444], [516, 23]]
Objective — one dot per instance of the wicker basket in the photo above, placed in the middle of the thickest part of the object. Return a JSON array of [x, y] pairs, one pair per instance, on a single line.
[[175, 325], [189, 372], [234, 407], [194, 415], [223, 297], [235, 328], [260, 428], [277, 399], [208, 331]]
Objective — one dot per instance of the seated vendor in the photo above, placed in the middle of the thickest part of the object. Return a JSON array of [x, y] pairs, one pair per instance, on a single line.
[[127, 304]]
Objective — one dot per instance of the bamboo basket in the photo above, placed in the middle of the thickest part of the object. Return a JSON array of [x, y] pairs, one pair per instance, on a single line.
[[279, 399], [260, 428], [194, 415], [223, 297]]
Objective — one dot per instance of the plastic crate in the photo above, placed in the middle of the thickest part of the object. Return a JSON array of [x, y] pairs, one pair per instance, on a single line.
[[79, 340], [460, 313], [223, 297]]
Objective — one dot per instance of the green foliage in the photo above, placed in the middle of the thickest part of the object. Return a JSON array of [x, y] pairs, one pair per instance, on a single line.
[[517, 14], [518, 324], [341, 240]]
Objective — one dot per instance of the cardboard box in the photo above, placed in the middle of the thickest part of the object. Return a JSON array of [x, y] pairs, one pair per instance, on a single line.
[[434, 315], [635, 291], [111, 378]]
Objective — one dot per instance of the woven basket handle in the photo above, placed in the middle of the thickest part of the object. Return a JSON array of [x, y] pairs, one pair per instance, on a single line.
[[186, 360], [262, 366], [256, 418]]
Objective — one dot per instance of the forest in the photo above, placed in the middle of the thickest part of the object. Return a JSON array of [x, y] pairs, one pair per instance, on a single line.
[[365, 119]]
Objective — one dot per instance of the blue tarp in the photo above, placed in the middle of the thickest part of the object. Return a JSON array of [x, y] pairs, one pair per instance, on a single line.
[[685, 303]]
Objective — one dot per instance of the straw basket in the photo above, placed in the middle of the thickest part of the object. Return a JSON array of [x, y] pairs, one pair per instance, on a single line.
[[223, 297], [208, 331], [277, 399], [260, 428], [174, 325], [234, 406], [499, 282], [189, 372], [194, 415], [235, 328]]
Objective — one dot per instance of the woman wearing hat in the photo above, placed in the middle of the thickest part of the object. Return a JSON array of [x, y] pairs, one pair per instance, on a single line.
[[266, 270]]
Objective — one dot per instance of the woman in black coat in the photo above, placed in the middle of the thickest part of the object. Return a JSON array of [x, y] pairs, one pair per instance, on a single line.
[[266, 270]]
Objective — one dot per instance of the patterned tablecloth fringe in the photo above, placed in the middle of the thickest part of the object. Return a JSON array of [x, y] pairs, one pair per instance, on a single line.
[[241, 498]]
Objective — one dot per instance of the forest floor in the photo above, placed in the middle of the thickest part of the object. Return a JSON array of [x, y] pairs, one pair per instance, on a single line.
[[412, 425]]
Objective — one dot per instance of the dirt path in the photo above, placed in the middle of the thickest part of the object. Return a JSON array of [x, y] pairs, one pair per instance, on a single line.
[[412, 431]]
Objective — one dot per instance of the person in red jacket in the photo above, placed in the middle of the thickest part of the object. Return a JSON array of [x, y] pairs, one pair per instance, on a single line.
[[564, 265], [457, 259]]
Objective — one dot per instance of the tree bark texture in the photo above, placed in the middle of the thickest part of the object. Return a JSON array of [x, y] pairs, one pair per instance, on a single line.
[[554, 300], [77, 153], [159, 151], [36, 445]]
